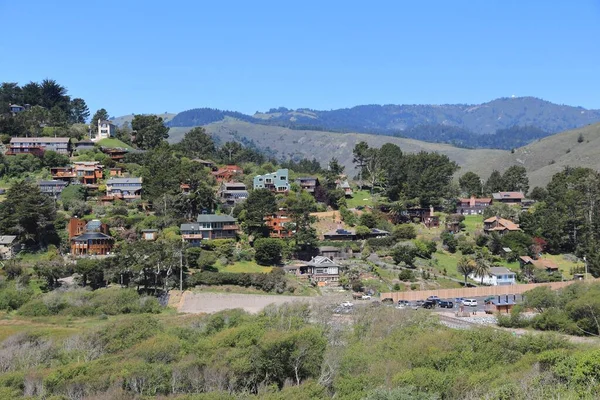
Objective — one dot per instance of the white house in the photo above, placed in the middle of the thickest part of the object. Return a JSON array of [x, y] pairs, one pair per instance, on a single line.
[[105, 130], [498, 276]]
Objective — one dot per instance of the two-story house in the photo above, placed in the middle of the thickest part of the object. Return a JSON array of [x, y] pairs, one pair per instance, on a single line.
[[53, 188], [208, 227], [497, 276], [85, 172], [105, 130], [38, 145], [508, 197], [499, 225], [345, 186], [280, 224], [473, 205], [320, 270], [227, 173], [308, 183], [275, 181], [89, 239], [128, 189], [232, 193]]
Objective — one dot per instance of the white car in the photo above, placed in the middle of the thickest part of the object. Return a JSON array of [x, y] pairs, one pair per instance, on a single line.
[[470, 302], [347, 304], [366, 297]]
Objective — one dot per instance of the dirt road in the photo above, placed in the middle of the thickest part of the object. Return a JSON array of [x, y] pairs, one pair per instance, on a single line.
[[195, 303]]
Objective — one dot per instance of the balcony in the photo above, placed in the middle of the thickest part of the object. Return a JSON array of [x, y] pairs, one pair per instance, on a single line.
[[191, 236]]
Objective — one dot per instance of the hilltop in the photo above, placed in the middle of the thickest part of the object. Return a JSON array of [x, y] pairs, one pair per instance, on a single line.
[[504, 123]]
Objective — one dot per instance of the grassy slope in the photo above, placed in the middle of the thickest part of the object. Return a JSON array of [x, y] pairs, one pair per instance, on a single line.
[[112, 142]]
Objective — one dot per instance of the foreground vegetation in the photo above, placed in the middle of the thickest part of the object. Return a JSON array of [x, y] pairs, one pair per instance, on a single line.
[[292, 352]]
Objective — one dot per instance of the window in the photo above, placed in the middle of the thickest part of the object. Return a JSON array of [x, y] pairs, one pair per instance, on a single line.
[[282, 178]]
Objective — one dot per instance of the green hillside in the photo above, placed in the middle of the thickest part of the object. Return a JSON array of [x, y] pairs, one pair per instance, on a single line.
[[119, 121]]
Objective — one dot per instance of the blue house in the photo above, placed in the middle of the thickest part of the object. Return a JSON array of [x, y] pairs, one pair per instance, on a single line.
[[275, 181]]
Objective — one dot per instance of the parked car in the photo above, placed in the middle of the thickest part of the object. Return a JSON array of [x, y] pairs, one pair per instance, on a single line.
[[445, 304], [459, 300], [403, 302], [470, 302], [347, 304], [435, 299], [414, 305], [429, 304], [365, 297]]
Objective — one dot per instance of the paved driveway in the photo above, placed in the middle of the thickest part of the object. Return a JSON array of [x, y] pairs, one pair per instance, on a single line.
[[195, 303]]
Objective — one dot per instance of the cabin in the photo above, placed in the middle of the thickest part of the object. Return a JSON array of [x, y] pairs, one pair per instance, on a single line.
[[320, 271], [208, 227], [499, 225], [473, 205], [92, 238], [508, 197]]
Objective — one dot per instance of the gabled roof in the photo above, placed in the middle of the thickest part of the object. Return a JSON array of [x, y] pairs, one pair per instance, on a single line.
[[500, 271], [321, 261], [502, 224], [215, 218], [40, 140], [53, 183], [542, 263], [132, 180], [7, 239], [508, 195], [474, 200], [91, 236]]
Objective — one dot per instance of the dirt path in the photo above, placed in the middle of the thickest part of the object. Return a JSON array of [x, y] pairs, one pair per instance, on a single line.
[[196, 303]]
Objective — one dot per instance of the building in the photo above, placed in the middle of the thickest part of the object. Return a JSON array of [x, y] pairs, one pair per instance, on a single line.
[[345, 186], [280, 225], [308, 183], [116, 154], [343, 234], [541, 264], [206, 163], [277, 181], [105, 130], [53, 188], [227, 173], [84, 145], [150, 234], [473, 205], [232, 193], [331, 252], [423, 215], [321, 271], [115, 171], [77, 227], [508, 197], [500, 225], [497, 276], [208, 227], [92, 241], [37, 145], [128, 189], [85, 172], [8, 246], [15, 108]]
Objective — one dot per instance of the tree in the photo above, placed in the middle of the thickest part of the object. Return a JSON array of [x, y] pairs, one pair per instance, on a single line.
[[72, 194], [260, 203], [90, 270], [161, 172], [360, 155], [404, 254], [540, 299], [197, 143], [362, 231], [53, 159], [494, 184], [470, 184], [79, 112], [101, 115], [149, 131], [368, 219], [465, 267], [54, 95], [267, 251], [515, 179], [28, 214], [482, 267], [299, 205]]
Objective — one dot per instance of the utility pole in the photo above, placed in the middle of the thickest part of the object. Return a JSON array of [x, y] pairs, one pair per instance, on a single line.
[[181, 268]]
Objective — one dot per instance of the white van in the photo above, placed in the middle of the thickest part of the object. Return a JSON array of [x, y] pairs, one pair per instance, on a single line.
[[470, 302]]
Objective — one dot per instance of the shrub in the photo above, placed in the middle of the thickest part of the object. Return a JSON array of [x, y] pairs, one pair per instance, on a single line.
[[404, 254], [267, 251], [125, 333], [406, 275], [368, 219], [404, 232], [12, 296], [450, 241]]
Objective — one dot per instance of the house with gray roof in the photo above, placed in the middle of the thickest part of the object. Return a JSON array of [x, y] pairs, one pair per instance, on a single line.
[[37, 145], [128, 189], [8, 246], [53, 188], [496, 276], [277, 181], [208, 227]]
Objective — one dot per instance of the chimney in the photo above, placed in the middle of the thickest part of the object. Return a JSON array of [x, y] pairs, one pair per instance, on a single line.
[[431, 211]]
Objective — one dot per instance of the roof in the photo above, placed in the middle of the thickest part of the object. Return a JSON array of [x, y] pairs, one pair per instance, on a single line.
[[500, 271], [321, 261], [7, 239], [504, 224], [542, 263], [40, 140], [85, 142], [149, 230], [508, 195], [474, 200], [215, 218], [507, 250], [189, 227], [53, 183], [91, 236], [307, 178], [234, 184], [105, 122], [122, 188], [133, 180], [202, 161], [329, 248]]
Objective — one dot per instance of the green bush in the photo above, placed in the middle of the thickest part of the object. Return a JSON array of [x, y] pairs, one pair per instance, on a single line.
[[12, 296], [267, 251], [406, 275], [404, 232]]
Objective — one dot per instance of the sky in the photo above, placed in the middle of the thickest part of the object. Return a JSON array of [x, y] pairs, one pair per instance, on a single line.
[[133, 56]]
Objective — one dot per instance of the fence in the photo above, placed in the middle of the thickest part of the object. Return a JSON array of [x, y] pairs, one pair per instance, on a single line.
[[481, 291]]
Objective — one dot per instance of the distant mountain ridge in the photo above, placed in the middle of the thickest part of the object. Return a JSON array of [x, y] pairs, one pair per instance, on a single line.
[[505, 122]]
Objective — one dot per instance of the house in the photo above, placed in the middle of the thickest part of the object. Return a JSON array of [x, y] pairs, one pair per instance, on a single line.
[[343, 234], [232, 193], [453, 226], [208, 227], [105, 130], [150, 234], [53, 188], [185, 188], [542, 264], [473, 205], [331, 252], [84, 145], [116, 154], [508, 197], [497, 276], [78, 226], [321, 271], [280, 225], [206, 163], [227, 173], [115, 171], [128, 189], [275, 181], [93, 241], [8, 246], [37, 145], [502, 304], [345, 186], [15, 108], [423, 215], [500, 225], [85, 172], [308, 183]]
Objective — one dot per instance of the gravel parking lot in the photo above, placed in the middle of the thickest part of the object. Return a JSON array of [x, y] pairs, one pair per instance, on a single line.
[[196, 303]]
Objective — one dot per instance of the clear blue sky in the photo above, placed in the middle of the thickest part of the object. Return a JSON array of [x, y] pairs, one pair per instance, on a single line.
[[133, 56]]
